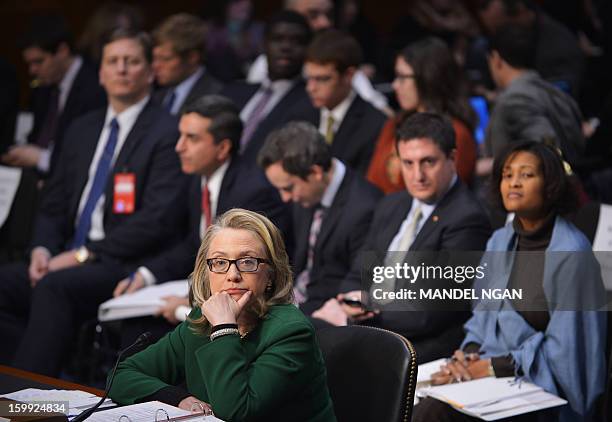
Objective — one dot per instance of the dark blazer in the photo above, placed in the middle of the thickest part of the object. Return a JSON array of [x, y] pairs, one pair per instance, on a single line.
[[289, 106], [85, 95], [356, 137], [458, 223], [148, 152], [243, 186], [342, 235], [205, 85]]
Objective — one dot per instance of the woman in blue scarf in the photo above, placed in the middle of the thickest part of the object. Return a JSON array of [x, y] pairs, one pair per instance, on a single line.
[[554, 337]]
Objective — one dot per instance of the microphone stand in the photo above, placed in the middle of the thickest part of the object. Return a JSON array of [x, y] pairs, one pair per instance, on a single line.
[[143, 339]]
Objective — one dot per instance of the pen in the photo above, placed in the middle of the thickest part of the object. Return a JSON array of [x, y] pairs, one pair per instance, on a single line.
[[468, 356]]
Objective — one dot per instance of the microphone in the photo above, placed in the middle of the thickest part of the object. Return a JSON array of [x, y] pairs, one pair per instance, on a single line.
[[142, 340]]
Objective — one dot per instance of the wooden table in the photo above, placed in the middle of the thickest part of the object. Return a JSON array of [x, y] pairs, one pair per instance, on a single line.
[[12, 379]]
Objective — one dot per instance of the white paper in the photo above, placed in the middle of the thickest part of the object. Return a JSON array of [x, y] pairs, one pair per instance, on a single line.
[[426, 370], [143, 302], [516, 406], [9, 182], [24, 125], [78, 401], [480, 391]]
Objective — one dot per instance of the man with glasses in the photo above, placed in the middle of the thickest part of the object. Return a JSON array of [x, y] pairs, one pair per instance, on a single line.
[[348, 123]]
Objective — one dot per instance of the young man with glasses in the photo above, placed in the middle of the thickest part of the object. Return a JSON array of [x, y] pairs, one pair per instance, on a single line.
[[347, 122]]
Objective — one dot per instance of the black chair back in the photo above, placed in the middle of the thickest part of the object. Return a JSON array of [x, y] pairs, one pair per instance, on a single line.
[[371, 373]]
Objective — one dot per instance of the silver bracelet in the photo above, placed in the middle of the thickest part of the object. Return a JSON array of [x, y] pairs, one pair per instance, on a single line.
[[224, 332]]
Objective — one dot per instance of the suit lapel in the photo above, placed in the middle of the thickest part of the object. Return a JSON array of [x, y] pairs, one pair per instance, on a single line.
[[345, 134], [396, 218], [139, 130], [302, 220], [436, 216], [335, 211], [225, 201], [274, 118]]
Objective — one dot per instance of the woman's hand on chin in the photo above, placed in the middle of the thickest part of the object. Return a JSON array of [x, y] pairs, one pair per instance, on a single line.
[[221, 308]]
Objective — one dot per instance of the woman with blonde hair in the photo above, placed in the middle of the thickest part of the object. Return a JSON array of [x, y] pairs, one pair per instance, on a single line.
[[245, 351]]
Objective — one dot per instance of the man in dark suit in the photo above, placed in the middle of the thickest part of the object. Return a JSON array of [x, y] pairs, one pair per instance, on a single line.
[[348, 123], [210, 129], [109, 205], [268, 105], [333, 207], [178, 58], [68, 87], [435, 213]]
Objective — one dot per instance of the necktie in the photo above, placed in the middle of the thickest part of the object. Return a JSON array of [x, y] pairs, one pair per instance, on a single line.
[[47, 131], [255, 117], [410, 232], [97, 187], [303, 279], [395, 257], [206, 212], [329, 132], [169, 101]]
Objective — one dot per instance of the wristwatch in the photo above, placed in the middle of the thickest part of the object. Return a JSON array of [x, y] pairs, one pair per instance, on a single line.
[[83, 255]]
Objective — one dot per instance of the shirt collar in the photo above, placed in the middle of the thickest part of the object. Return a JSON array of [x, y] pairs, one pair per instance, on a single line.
[[215, 179], [279, 84], [182, 89], [128, 115], [340, 110], [339, 170]]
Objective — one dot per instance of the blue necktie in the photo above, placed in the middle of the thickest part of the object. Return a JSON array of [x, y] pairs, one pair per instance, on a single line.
[[170, 101], [97, 187]]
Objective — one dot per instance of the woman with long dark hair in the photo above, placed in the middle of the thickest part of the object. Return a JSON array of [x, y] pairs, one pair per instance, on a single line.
[[554, 336], [427, 78]]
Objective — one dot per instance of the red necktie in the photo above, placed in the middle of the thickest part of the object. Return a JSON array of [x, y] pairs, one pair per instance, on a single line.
[[206, 205]]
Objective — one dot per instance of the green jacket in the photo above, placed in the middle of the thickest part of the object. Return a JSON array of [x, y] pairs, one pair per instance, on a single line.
[[276, 372]]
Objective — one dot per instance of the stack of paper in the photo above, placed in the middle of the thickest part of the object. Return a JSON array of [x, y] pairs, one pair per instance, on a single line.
[[143, 302], [424, 373], [494, 398]]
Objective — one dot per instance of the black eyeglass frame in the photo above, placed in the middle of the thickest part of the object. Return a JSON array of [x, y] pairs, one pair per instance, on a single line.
[[209, 263]]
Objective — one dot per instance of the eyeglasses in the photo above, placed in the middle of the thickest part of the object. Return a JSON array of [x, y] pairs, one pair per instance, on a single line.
[[244, 265], [403, 76]]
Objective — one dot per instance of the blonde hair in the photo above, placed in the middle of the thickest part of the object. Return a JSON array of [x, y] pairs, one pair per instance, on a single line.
[[281, 278]]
